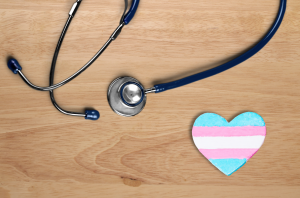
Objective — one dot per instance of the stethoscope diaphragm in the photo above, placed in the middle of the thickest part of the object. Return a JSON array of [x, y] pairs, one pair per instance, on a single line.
[[126, 96]]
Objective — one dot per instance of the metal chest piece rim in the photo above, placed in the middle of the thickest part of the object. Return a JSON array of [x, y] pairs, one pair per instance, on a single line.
[[126, 96]]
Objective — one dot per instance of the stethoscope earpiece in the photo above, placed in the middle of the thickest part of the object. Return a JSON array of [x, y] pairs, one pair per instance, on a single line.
[[14, 65], [92, 115]]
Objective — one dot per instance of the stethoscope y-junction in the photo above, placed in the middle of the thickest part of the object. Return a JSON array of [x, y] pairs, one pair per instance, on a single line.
[[126, 95]]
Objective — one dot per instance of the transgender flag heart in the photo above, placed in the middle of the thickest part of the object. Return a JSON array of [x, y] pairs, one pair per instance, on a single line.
[[228, 146]]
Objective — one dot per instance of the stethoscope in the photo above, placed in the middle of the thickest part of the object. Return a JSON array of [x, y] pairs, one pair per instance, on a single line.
[[126, 95]]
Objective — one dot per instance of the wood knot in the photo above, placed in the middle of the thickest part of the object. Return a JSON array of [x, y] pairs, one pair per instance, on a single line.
[[132, 182]]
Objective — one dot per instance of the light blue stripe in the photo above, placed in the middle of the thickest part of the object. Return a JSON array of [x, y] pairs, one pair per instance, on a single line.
[[228, 166], [244, 119]]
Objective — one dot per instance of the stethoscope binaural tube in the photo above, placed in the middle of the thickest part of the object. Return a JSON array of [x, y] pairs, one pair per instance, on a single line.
[[89, 114], [17, 69]]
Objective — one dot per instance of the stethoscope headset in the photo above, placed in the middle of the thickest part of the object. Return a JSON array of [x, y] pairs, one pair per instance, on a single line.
[[126, 95]]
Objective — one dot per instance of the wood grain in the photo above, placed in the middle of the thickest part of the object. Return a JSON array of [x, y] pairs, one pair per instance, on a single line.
[[46, 154]]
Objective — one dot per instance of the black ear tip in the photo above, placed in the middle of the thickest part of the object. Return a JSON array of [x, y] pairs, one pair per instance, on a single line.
[[92, 115], [14, 65]]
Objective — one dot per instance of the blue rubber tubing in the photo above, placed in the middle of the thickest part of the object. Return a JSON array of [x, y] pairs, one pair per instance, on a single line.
[[129, 16], [211, 72]]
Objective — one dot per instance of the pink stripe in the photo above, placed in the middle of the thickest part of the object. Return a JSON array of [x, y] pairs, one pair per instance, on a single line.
[[229, 131], [228, 153]]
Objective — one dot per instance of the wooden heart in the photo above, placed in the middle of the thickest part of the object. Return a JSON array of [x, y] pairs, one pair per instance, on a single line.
[[228, 146]]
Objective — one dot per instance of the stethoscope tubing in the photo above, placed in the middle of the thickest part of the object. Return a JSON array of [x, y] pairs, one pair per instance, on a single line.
[[184, 81], [211, 72]]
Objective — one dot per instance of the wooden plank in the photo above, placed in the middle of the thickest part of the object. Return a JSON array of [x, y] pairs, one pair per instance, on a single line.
[[46, 154]]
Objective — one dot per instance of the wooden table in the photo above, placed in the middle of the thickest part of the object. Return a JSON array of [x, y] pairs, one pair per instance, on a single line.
[[44, 153]]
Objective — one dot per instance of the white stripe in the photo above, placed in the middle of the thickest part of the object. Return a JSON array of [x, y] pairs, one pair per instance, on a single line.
[[243, 142]]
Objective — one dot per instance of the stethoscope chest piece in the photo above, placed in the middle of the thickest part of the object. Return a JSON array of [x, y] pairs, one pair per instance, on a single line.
[[126, 96]]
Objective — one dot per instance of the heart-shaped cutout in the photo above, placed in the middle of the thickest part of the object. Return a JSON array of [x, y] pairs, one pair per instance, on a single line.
[[228, 146]]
